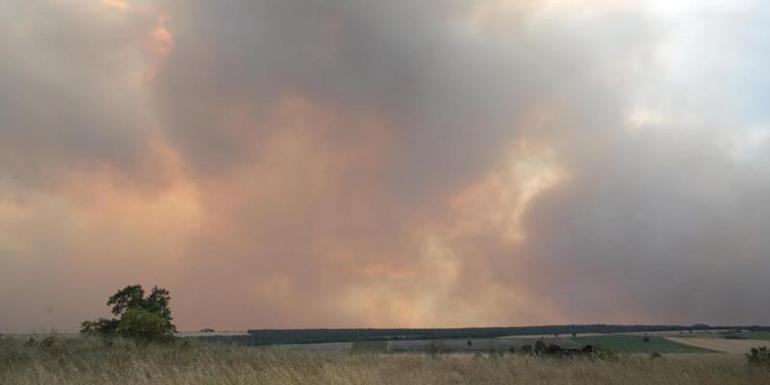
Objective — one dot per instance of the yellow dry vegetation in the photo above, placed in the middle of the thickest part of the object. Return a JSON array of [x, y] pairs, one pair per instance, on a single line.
[[83, 362]]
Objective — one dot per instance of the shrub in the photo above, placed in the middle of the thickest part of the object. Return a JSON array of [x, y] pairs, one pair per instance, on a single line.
[[143, 325], [101, 327], [603, 354], [49, 341], [436, 348], [759, 356]]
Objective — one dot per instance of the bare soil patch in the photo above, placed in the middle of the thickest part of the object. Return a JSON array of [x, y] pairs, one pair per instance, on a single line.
[[721, 344]]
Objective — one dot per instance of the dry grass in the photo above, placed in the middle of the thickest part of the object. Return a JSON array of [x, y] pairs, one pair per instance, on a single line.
[[82, 362]]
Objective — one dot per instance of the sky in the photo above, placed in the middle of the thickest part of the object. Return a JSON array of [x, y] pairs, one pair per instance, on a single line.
[[341, 163]]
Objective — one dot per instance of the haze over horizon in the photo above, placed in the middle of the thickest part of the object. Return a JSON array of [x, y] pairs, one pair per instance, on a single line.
[[340, 163]]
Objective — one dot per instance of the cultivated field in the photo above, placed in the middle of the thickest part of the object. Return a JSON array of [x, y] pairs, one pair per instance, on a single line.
[[86, 361], [634, 344], [721, 344]]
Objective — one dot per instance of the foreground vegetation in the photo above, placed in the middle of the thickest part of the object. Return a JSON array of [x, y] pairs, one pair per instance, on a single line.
[[86, 361]]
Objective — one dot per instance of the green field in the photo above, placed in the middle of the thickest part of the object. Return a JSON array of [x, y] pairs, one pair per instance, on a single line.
[[635, 344], [759, 335], [754, 335]]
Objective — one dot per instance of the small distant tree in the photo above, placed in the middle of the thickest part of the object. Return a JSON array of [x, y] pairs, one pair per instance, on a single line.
[[646, 339], [142, 318]]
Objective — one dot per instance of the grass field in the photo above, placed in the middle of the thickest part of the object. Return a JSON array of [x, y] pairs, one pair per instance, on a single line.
[[748, 335], [741, 346], [635, 344], [87, 362], [759, 335]]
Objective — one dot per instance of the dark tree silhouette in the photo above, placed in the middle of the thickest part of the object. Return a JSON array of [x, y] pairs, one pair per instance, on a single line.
[[126, 298], [139, 317]]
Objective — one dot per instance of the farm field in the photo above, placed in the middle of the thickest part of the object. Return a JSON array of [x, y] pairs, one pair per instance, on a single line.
[[630, 339], [749, 335], [624, 344], [87, 361], [734, 346], [632, 344], [304, 336], [452, 345]]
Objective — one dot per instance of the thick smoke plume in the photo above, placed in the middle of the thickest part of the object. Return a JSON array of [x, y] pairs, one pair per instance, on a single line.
[[290, 163]]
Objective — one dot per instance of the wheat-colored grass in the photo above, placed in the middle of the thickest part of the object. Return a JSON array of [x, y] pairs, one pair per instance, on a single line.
[[85, 362]]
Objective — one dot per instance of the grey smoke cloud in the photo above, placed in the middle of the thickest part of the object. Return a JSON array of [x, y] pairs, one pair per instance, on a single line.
[[339, 163], [64, 102]]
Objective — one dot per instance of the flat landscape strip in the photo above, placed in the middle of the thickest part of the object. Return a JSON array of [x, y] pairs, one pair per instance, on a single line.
[[633, 344], [721, 344]]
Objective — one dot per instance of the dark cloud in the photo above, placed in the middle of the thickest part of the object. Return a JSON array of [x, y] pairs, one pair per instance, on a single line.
[[444, 93]]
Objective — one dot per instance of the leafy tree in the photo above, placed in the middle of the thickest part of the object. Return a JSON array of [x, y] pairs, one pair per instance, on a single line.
[[127, 298], [143, 325], [158, 302], [139, 317]]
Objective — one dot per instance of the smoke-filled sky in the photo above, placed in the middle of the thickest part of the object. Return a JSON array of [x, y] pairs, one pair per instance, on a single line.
[[401, 163]]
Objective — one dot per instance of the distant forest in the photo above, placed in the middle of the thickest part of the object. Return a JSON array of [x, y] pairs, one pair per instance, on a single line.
[[306, 336]]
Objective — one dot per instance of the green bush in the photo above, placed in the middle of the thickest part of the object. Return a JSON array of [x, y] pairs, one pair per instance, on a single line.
[[100, 327], [759, 356], [143, 325], [604, 354]]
